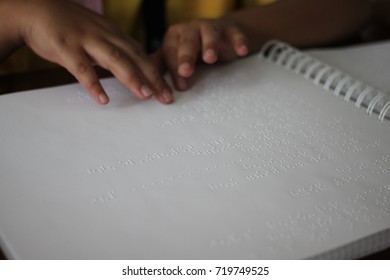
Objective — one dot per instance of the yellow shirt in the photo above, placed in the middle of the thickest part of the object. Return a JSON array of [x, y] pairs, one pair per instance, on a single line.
[[127, 15]]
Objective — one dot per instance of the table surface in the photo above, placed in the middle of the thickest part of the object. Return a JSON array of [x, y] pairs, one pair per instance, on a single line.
[[59, 76]]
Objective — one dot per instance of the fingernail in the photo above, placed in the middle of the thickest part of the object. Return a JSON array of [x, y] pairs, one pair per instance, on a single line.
[[242, 50], [184, 69], [146, 91], [167, 96], [210, 52], [103, 98]]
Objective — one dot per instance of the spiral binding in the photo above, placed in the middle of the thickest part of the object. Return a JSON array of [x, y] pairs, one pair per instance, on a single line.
[[328, 77]]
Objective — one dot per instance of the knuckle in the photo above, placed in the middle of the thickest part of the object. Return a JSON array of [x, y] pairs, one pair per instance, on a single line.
[[93, 85], [62, 40], [185, 58], [188, 41], [154, 74], [115, 55], [210, 45], [81, 68], [136, 49]]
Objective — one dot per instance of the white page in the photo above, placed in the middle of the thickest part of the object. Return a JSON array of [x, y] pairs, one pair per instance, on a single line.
[[254, 162]]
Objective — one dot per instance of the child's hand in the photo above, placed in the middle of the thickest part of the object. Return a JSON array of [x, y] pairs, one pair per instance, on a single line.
[[213, 39], [76, 38]]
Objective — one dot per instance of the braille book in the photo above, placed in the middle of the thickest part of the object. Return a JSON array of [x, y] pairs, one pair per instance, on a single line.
[[279, 155]]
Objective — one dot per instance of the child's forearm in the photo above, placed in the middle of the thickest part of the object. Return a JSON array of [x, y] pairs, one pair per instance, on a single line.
[[10, 28], [76, 38], [303, 22]]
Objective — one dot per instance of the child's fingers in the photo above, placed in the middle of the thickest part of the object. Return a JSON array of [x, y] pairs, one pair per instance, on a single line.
[[211, 38], [80, 66], [122, 66], [187, 51], [114, 60], [170, 54], [179, 82], [158, 62], [237, 39], [151, 73]]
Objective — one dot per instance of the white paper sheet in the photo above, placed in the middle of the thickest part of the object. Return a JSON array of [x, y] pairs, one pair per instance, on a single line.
[[253, 163]]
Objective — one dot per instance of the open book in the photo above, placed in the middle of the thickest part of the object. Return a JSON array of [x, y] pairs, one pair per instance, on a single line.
[[261, 159]]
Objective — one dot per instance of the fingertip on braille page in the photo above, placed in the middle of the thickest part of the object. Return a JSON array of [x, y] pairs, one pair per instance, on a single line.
[[242, 50], [210, 56], [167, 96], [146, 91], [103, 98]]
